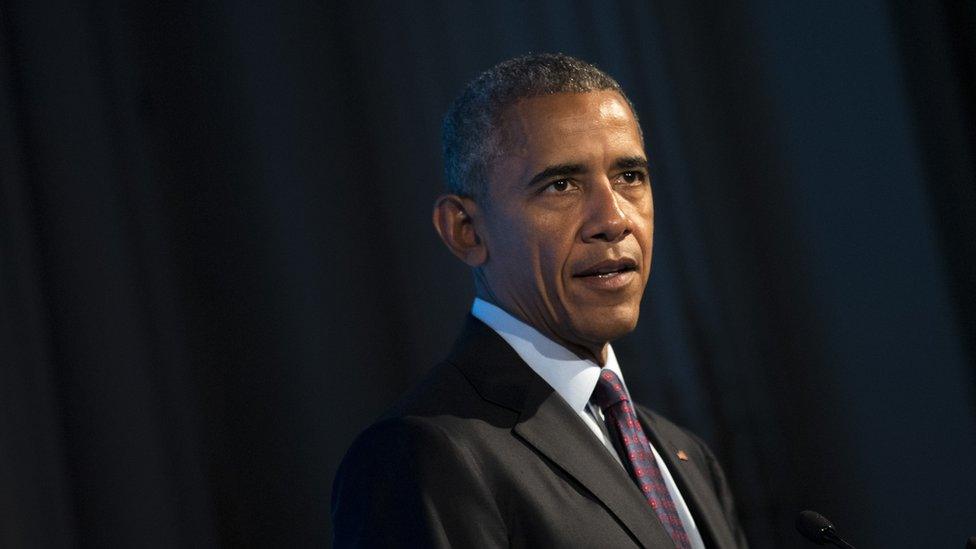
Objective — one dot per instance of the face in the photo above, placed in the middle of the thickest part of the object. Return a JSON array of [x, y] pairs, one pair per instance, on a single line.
[[568, 220]]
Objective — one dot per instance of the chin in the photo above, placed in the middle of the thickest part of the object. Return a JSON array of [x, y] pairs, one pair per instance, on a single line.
[[604, 325]]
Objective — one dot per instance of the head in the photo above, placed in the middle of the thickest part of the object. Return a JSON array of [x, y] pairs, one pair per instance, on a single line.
[[549, 198]]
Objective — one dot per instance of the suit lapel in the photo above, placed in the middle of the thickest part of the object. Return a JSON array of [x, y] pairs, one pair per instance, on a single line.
[[548, 424], [552, 428], [694, 485]]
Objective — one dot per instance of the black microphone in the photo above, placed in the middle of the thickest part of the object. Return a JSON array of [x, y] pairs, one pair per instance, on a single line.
[[819, 530]]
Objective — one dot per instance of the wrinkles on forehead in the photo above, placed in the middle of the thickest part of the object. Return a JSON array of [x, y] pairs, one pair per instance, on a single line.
[[535, 120]]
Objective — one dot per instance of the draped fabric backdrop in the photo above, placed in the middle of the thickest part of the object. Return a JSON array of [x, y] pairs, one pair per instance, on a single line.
[[217, 262]]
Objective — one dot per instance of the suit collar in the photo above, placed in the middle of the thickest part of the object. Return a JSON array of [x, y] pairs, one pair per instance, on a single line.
[[492, 367], [550, 426]]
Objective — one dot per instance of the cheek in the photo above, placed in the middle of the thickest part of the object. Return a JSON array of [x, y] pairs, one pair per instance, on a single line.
[[648, 251], [554, 237], [647, 226], [513, 247], [644, 228], [534, 244]]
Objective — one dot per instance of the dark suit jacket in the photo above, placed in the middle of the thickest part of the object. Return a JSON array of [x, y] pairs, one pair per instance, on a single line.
[[484, 453]]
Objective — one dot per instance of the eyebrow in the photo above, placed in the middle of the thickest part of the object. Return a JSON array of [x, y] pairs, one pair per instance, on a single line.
[[557, 170], [562, 170], [630, 163]]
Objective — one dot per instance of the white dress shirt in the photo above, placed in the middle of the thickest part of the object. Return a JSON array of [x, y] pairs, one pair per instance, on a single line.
[[574, 379]]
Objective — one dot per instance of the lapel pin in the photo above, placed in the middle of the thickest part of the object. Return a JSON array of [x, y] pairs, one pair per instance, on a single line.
[[682, 455]]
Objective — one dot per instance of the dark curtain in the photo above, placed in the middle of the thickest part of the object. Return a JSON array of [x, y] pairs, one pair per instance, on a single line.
[[217, 264]]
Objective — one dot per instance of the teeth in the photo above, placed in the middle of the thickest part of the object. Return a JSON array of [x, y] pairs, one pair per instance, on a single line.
[[609, 271]]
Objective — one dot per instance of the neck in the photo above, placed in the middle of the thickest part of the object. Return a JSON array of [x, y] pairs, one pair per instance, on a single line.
[[597, 352]]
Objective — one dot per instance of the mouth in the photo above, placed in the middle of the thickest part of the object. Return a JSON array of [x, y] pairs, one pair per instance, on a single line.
[[608, 268]]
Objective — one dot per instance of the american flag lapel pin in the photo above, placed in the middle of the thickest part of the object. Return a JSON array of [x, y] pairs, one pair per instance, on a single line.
[[682, 455]]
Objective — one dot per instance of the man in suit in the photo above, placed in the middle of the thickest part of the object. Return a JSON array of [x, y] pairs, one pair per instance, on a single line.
[[526, 435]]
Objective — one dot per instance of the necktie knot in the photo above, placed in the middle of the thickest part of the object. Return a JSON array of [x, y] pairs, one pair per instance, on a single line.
[[609, 390]]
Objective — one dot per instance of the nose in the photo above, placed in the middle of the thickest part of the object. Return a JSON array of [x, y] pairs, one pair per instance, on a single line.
[[605, 220]]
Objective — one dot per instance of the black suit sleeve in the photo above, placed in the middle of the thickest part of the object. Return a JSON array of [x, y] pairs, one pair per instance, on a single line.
[[405, 482]]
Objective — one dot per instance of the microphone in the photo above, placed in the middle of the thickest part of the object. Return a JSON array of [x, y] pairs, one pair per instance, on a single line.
[[816, 528]]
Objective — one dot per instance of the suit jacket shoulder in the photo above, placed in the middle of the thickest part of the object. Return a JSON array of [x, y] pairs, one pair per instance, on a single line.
[[418, 477]]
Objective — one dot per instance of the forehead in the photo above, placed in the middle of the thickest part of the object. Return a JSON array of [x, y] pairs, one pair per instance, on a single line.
[[560, 121]]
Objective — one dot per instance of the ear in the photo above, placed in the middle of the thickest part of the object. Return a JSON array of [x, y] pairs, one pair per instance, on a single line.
[[454, 219]]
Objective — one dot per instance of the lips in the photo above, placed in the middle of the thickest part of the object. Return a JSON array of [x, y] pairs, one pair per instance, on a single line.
[[608, 268]]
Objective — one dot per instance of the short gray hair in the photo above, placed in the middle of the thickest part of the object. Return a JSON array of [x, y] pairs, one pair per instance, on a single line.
[[470, 137]]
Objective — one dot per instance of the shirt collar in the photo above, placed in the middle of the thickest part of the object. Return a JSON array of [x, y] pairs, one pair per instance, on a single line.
[[572, 377]]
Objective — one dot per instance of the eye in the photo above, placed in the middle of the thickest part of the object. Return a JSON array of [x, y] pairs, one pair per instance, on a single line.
[[632, 178], [560, 186]]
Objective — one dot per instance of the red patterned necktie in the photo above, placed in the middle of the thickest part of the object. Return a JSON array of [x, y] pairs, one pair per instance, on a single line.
[[636, 452]]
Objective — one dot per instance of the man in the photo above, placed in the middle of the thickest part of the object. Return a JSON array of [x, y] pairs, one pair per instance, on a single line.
[[526, 435]]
